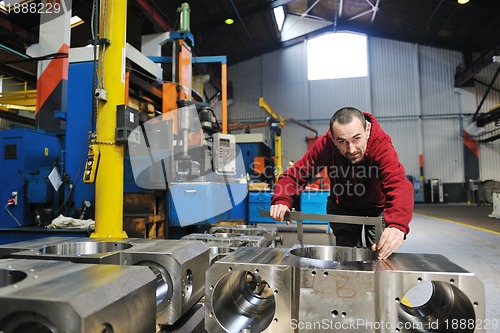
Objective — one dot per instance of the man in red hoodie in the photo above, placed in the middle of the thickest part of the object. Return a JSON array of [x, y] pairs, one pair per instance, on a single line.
[[366, 179]]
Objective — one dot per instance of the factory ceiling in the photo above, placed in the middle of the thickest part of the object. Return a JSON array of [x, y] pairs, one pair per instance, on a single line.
[[472, 28]]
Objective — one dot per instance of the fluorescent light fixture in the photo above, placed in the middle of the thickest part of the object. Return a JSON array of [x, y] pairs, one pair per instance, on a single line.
[[462, 2], [279, 15], [76, 21]]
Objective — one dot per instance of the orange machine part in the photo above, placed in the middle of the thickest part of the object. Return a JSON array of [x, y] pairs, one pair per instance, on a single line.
[[185, 69], [259, 165]]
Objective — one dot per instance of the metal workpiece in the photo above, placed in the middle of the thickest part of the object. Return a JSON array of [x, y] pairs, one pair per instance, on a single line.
[[218, 252], [58, 296], [341, 289], [77, 250], [7, 249], [180, 267], [223, 239], [192, 322], [250, 290], [429, 293], [337, 286], [270, 233]]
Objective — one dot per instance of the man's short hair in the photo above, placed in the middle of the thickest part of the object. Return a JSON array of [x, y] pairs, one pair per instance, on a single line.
[[345, 115]]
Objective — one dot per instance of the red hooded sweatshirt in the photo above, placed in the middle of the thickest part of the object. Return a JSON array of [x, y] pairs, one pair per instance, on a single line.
[[377, 184]]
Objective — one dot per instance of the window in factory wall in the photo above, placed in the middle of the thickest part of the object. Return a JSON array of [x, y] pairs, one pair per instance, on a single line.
[[336, 56]]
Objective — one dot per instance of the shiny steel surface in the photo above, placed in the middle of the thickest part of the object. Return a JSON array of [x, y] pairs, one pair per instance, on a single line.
[[78, 250], [182, 264], [58, 297], [179, 266], [270, 233], [230, 240], [338, 289], [218, 252], [7, 249], [250, 290], [334, 253]]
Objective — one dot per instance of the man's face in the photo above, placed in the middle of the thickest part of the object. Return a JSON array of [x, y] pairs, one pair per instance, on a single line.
[[351, 139]]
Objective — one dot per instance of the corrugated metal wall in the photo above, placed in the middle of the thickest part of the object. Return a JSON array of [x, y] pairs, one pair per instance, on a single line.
[[410, 89]]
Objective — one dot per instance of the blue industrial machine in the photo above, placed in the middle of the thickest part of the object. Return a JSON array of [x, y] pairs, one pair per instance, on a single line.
[[29, 156], [27, 159]]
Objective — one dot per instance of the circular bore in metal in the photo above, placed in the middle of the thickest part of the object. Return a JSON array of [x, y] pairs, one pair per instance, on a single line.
[[84, 248], [107, 328], [163, 283], [8, 277], [243, 300], [440, 305], [27, 322], [335, 253]]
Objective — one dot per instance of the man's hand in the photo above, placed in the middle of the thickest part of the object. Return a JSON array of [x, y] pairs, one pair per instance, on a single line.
[[389, 242], [278, 211]]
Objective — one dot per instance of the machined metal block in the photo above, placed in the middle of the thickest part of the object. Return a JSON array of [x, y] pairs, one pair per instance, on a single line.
[[338, 285], [218, 252], [250, 290], [229, 240], [346, 290], [192, 322], [7, 249], [270, 233], [58, 296], [429, 293], [77, 250], [180, 267]]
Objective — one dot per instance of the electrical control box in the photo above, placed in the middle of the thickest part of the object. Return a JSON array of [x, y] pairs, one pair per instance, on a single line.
[[91, 165], [224, 153], [127, 119]]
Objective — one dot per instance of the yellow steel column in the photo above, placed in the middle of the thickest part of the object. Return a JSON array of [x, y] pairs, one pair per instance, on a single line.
[[279, 155], [109, 181]]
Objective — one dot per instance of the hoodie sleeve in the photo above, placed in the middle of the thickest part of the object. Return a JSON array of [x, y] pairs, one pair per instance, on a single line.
[[397, 189], [291, 182]]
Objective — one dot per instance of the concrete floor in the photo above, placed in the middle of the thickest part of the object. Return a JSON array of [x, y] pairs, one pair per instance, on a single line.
[[474, 248]]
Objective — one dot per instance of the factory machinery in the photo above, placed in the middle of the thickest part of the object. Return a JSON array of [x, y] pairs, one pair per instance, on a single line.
[[232, 279], [60, 284], [116, 143]]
